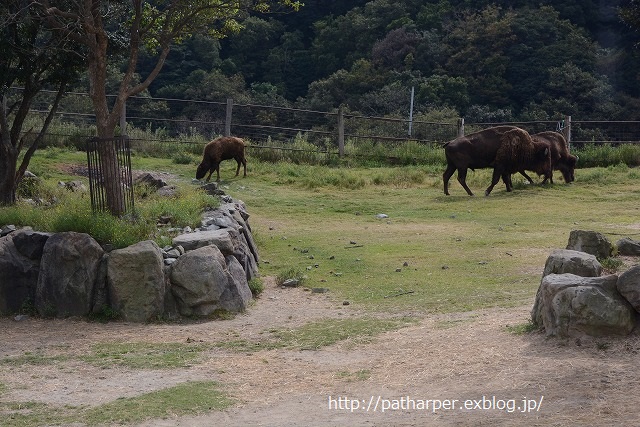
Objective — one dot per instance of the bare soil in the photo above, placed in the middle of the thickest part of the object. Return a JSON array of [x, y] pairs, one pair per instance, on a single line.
[[457, 359]]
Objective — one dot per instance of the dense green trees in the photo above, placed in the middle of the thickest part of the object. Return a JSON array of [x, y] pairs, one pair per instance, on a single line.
[[487, 60]]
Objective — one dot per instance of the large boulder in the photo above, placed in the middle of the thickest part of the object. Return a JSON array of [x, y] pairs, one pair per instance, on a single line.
[[68, 271], [136, 282], [591, 242], [629, 286], [628, 247], [575, 306], [18, 275], [202, 283], [562, 261], [571, 261]]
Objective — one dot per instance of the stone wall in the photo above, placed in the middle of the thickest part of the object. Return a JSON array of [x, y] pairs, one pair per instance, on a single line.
[[70, 274], [577, 299]]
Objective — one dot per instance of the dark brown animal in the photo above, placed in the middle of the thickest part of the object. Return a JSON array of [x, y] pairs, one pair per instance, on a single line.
[[221, 148], [561, 159], [481, 150], [520, 152]]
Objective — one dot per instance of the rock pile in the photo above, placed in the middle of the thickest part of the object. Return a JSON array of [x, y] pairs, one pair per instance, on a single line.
[[574, 298], [70, 274]]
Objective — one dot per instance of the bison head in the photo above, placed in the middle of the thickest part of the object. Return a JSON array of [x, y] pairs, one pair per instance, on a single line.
[[202, 170], [567, 167]]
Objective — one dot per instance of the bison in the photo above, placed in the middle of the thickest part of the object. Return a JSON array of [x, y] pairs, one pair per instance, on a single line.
[[520, 152], [221, 148], [506, 149], [561, 159]]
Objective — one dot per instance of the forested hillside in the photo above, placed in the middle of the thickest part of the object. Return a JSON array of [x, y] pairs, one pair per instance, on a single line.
[[483, 60]]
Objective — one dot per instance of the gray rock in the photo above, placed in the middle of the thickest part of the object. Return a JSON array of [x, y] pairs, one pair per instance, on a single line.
[[7, 229], [68, 272], [237, 296], [18, 277], [575, 306], [219, 238], [136, 281], [562, 261], [150, 180], [31, 243], [291, 283], [172, 253], [628, 247], [202, 283], [629, 286], [591, 242], [571, 261]]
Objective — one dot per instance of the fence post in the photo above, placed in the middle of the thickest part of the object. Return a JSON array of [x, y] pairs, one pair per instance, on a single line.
[[341, 131], [461, 126], [227, 121], [566, 131]]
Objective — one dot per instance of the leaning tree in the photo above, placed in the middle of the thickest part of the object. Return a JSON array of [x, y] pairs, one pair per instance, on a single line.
[[32, 58], [133, 25]]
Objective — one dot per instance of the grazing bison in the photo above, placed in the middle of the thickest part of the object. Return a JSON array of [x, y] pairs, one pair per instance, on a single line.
[[561, 159], [221, 148], [506, 149]]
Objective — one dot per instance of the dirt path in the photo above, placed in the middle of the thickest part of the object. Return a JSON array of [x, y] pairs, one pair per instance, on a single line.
[[455, 359]]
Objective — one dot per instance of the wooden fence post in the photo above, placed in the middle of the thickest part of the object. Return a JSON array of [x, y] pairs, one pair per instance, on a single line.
[[341, 131], [566, 130], [461, 126], [227, 121]]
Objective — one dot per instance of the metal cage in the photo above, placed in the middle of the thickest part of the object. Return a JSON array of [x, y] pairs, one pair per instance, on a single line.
[[110, 157]]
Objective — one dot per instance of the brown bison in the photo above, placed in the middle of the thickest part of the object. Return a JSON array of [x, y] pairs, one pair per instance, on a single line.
[[561, 159], [506, 149], [221, 148]]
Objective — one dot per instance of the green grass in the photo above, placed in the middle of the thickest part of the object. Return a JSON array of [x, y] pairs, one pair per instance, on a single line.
[[439, 253], [138, 355], [318, 334], [190, 398]]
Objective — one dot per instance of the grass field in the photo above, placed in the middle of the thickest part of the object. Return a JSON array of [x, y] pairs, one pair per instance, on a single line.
[[386, 240]]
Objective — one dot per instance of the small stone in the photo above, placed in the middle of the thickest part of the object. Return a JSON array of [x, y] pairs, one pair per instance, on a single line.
[[398, 270], [21, 317], [345, 303], [319, 290], [291, 283], [382, 216]]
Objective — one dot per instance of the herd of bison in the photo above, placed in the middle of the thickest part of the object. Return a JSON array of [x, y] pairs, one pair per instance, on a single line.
[[506, 149]]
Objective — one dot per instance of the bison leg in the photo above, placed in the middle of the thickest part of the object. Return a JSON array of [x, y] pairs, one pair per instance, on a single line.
[[462, 179], [446, 176], [241, 161], [506, 178], [494, 180], [523, 173]]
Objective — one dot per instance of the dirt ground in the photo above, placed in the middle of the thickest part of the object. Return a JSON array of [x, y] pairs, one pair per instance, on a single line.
[[468, 365]]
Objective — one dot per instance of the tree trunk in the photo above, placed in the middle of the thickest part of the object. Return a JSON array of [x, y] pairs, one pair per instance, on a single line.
[[8, 160]]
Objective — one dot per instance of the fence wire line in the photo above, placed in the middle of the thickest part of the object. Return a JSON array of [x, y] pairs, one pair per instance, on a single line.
[[170, 120]]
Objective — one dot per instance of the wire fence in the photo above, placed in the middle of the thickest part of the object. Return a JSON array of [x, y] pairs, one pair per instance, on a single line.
[[161, 121]]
